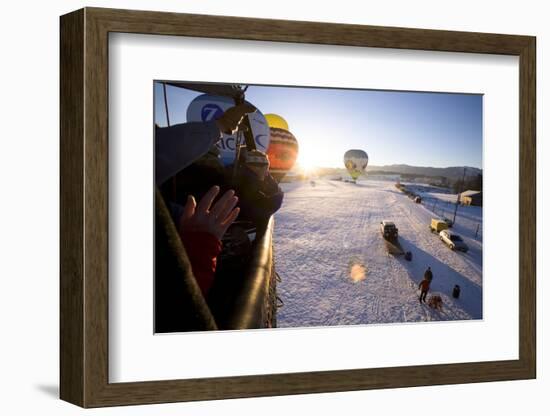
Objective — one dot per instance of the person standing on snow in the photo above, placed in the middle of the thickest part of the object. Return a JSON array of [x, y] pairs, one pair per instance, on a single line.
[[428, 275], [424, 287]]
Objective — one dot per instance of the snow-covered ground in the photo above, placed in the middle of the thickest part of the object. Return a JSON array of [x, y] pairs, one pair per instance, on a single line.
[[468, 221], [334, 265]]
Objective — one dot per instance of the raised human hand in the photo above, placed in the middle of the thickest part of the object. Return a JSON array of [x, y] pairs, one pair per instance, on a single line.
[[206, 218], [230, 120]]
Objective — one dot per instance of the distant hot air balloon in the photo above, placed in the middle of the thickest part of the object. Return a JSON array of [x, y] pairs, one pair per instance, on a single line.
[[356, 162], [282, 152], [275, 120]]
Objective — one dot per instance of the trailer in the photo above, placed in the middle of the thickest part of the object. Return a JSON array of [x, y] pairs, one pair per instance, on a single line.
[[393, 246], [390, 234]]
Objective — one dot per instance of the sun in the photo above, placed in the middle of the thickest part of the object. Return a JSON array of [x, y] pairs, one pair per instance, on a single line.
[[312, 158], [305, 162]]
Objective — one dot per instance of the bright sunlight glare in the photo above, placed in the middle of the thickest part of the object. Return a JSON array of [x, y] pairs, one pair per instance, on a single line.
[[310, 158]]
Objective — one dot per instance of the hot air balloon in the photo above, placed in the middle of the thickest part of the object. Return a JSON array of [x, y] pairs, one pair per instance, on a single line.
[[208, 107], [356, 162], [283, 147], [282, 152], [275, 120]]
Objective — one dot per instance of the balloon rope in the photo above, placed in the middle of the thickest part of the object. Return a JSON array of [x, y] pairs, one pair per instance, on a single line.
[[174, 179], [237, 155], [166, 104]]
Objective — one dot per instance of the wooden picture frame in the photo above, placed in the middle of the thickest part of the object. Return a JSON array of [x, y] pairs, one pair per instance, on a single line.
[[84, 207]]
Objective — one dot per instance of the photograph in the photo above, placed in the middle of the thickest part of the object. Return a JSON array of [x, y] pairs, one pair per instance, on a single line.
[[245, 197], [299, 206]]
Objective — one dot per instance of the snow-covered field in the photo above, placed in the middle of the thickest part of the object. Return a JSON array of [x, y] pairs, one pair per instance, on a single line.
[[335, 269]]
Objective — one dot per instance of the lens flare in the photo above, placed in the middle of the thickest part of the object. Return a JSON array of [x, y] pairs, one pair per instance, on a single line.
[[357, 272]]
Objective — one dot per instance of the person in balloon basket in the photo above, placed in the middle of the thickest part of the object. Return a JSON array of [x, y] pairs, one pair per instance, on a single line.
[[259, 193], [201, 227], [201, 224], [253, 188]]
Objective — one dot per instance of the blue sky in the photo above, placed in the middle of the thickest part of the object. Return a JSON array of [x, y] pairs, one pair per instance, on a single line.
[[414, 128]]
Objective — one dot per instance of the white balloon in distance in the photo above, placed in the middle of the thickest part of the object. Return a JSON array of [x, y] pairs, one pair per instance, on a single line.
[[356, 162], [208, 107]]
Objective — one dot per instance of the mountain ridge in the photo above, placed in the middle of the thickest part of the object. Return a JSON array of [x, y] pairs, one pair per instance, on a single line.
[[453, 172]]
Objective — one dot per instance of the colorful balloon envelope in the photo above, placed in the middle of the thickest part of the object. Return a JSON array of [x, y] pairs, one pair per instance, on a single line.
[[282, 152], [208, 107], [356, 162], [275, 120]]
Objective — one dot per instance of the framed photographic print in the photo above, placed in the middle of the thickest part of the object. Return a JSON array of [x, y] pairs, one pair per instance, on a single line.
[[255, 207]]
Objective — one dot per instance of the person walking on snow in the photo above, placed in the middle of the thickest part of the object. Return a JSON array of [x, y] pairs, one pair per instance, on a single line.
[[424, 287]]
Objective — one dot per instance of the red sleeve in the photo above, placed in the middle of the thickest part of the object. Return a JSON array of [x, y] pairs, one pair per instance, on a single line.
[[202, 249]]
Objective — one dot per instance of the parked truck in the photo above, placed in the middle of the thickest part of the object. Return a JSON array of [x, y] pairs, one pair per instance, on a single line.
[[389, 230], [437, 225]]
